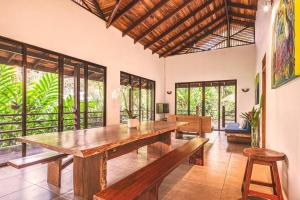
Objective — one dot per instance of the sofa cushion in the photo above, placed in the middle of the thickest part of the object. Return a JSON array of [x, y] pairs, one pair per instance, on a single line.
[[234, 128]]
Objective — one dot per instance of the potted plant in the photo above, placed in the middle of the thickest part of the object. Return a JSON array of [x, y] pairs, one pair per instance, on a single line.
[[253, 118], [132, 121]]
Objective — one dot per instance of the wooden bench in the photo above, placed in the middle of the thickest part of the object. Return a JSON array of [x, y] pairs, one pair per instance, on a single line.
[[53, 159], [144, 183]]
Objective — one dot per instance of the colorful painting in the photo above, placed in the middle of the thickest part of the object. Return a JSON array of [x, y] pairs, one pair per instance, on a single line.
[[284, 67], [257, 89]]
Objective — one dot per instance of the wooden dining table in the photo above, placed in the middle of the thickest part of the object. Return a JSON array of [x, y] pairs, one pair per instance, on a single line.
[[91, 148]]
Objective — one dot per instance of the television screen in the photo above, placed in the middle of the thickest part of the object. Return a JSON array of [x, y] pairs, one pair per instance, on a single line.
[[162, 108]]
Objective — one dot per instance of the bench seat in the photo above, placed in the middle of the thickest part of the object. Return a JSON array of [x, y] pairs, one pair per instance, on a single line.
[[35, 159], [144, 183], [54, 160]]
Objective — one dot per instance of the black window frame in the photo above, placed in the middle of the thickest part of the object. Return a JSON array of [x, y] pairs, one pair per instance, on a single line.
[[153, 98], [60, 63]]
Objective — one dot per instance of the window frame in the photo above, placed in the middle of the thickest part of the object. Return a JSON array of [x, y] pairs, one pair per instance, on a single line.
[[130, 103], [60, 64]]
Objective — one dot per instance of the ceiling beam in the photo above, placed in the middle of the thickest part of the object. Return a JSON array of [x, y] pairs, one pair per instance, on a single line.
[[124, 10], [242, 6], [180, 22], [244, 16], [158, 23], [217, 44], [228, 23], [196, 23], [243, 23], [113, 14], [192, 36], [143, 18], [205, 34], [99, 9]]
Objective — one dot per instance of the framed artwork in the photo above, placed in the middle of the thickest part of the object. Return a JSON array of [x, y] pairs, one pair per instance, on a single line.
[[257, 85], [284, 46]]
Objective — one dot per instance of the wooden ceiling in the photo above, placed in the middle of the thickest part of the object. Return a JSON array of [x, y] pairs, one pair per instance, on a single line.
[[173, 27]]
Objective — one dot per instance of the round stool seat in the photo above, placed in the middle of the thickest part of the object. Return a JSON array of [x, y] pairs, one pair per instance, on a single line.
[[263, 154]]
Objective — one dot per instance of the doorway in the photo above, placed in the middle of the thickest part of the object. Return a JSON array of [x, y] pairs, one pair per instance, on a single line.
[[217, 99]]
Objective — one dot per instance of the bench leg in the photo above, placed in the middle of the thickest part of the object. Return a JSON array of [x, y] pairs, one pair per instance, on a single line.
[[178, 135], [160, 148], [54, 172], [198, 157], [151, 194]]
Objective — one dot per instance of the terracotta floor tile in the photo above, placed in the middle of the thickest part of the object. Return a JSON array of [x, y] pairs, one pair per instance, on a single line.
[[219, 178], [30, 193]]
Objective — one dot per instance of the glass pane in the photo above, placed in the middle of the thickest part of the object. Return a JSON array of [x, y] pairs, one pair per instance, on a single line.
[[212, 104], [81, 98], [135, 95], [11, 100], [95, 96], [42, 92], [227, 104], [73, 71], [182, 99], [151, 100], [196, 99], [145, 101], [124, 96]]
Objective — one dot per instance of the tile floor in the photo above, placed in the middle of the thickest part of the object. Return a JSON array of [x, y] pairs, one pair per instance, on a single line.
[[220, 178]]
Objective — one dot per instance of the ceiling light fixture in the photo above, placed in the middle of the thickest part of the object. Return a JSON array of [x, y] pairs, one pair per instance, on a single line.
[[267, 5]]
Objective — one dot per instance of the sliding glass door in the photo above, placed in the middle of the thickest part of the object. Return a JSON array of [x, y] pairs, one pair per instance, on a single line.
[[42, 91], [211, 102], [210, 98]]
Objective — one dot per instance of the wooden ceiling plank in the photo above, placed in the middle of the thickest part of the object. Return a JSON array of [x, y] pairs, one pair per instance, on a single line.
[[192, 35], [242, 6], [199, 21], [143, 18], [180, 22], [228, 23], [113, 14], [124, 10], [99, 9], [158, 23]]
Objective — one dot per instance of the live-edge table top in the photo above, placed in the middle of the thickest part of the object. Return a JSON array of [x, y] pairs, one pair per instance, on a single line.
[[87, 142]]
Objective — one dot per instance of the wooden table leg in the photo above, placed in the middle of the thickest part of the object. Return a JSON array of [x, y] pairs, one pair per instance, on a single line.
[[160, 148], [54, 172], [89, 175]]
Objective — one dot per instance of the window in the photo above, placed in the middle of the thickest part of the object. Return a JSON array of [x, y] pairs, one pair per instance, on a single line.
[[137, 95], [43, 91], [211, 98]]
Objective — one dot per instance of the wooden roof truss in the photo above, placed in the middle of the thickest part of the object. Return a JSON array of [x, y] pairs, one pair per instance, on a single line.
[[173, 27]]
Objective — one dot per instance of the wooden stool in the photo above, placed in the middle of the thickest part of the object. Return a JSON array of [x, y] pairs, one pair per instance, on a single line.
[[262, 157]]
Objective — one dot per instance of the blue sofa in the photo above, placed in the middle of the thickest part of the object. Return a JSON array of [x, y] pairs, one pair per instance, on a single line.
[[236, 134]]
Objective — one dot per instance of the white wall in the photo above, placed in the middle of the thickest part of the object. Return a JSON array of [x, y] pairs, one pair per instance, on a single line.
[[64, 27], [283, 110], [224, 64]]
